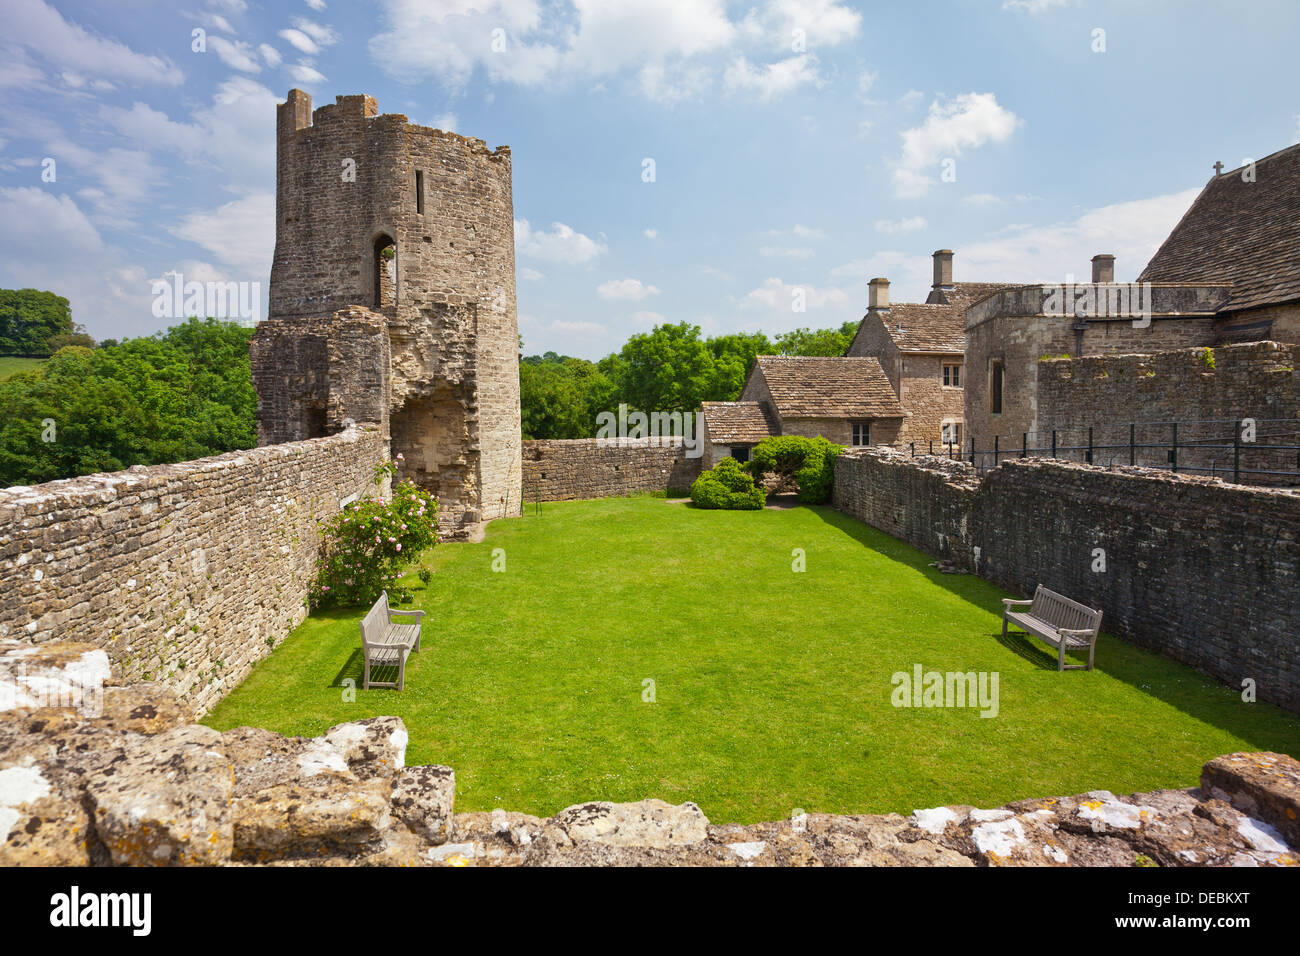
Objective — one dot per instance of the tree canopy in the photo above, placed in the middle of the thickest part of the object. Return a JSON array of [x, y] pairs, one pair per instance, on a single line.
[[29, 318]]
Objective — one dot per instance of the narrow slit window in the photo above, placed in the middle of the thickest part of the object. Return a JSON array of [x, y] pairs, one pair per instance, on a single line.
[[419, 191]]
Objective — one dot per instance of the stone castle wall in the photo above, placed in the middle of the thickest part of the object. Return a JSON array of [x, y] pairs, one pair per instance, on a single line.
[[185, 574], [572, 469], [1222, 385], [1196, 569]]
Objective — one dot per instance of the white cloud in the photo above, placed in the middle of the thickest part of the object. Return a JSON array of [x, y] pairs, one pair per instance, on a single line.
[[447, 122], [778, 298], [624, 290], [773, 79], [236, 54], [316, 4], [807, 232], [532, 275], [235, 133], [240, 233], [303, 72], [786, 252], [1131, 231], [652, 233], [820, 22], [40, 27], [1033, 6], [270, 54], [648, 318], [562, 244], [300, 41], [672, 50], [909, 224], [967, 121], [322, 36]]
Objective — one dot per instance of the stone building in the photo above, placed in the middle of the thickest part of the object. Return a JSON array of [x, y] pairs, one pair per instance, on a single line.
[[845, 400], [921, 347], [1243, 231], [392, 300]]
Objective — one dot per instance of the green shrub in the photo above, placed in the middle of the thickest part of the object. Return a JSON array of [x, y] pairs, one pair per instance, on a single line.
[[366, 547], [808, 461], [727, 487]]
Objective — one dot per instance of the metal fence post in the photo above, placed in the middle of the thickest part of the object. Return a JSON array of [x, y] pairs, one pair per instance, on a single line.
[[995, 451], [1173, 454], [1089, 444], [1053, 442], [1236, 452], [1132, 436], [1024, 444], [913, 449], [972, 449]]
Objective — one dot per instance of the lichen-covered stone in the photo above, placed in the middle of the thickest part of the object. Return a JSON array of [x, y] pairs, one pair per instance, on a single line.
[[374, 747], [1263, 785], [423, 798], [167, 803], [646, 823]]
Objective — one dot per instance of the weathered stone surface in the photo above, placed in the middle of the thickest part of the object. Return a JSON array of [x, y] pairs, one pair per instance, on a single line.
[[423, 798], [145, 708], [167, 803], [573, 469], [646, 823], [374, 747], [42, 823], [1265, 786], [184, 574]]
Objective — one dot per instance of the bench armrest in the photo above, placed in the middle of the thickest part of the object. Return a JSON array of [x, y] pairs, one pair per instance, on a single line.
[[415, 614], [1010, 601], [1084, 632]]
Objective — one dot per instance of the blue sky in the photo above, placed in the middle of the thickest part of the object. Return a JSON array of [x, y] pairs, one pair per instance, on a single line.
[[797, 144]]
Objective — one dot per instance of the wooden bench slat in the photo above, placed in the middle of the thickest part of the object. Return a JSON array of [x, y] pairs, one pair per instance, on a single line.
[[386, 644], [1049, 615]]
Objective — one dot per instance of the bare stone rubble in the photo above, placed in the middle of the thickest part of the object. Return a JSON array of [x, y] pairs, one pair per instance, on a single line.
[[137, 783]]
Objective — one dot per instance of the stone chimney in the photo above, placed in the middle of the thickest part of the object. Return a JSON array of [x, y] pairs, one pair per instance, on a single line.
[[1103, 268], [943, 269], [878, 297]]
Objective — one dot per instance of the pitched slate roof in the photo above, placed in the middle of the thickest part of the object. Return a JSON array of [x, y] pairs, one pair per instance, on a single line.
[[739, 423], [1246, 234], [925, 328], [828, 387]]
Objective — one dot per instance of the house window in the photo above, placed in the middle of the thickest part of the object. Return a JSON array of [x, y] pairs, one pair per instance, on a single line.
[[419, 191], [952, 376], [995, 388], [740, 453], [861, 433], [952, 433]]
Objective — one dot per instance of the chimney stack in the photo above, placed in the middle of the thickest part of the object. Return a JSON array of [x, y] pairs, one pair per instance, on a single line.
[[1103, 268], [943, 269], [878, 298]]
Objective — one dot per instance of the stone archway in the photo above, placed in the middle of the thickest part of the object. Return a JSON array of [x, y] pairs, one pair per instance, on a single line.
[[433, 434], [384, 254]]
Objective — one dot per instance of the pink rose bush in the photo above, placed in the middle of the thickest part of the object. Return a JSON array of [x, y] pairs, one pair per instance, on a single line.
[[368, 545]]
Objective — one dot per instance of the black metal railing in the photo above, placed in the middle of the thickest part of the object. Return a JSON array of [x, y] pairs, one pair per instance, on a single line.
[[1245, 451]]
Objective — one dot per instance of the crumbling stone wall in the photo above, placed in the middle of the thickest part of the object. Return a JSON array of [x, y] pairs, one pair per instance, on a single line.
[[572, 469], [1199, 570], [182, 794], [1258, 380], [185, 574]]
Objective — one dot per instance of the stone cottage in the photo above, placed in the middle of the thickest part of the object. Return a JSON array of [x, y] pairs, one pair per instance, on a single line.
[[849, 401], [921, 347]]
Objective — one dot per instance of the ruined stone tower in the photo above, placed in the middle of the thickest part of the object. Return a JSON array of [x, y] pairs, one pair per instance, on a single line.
[[393, 300]]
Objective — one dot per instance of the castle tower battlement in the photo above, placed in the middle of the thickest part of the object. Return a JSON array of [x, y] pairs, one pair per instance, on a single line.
[[415, 225]]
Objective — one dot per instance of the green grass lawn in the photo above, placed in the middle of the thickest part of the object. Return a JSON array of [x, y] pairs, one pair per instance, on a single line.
[[12, 366], [772, 688]]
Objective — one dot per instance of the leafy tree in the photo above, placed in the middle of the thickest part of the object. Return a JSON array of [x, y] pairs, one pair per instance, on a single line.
[[809, 462], [805, 341], [669, 369], [28, 318], [178, 395]]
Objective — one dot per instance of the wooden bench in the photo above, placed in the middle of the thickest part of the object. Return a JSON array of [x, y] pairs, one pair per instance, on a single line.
[[1057, 620], [386, 644]]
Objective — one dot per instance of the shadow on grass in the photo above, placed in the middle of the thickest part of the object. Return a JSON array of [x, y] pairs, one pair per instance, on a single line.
[[1266, 726], [353, 669]]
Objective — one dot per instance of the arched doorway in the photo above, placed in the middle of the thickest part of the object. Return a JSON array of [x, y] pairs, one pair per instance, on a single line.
[[385, 271]]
